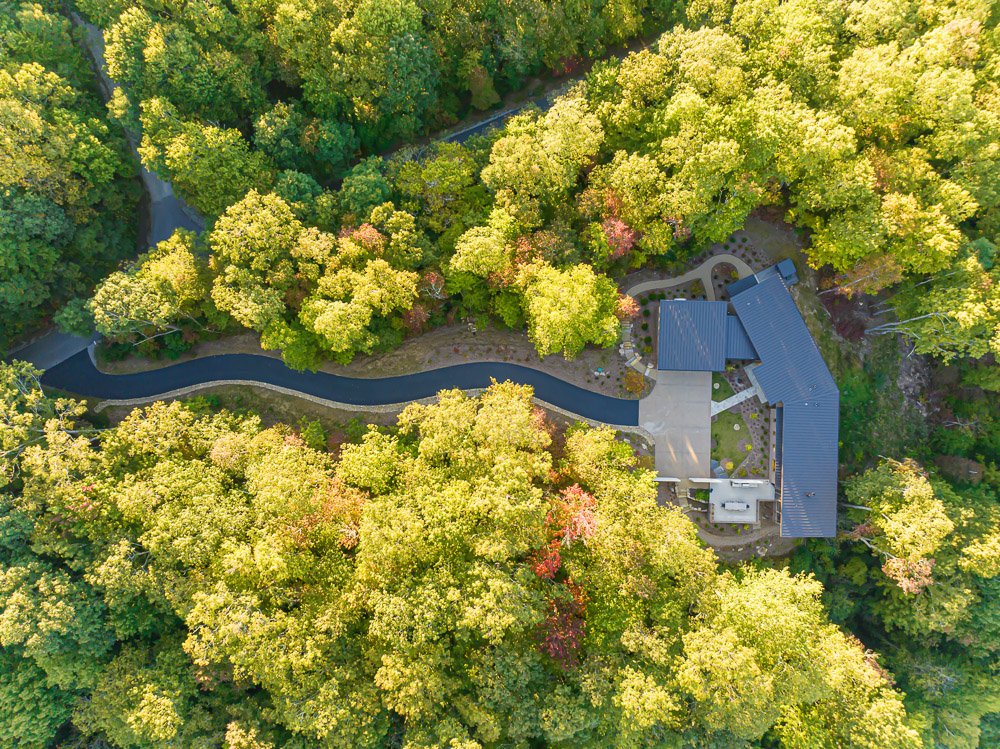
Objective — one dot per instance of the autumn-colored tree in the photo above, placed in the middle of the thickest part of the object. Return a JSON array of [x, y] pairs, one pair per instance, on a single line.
[[165, 288], [937, 549], [634, 382], [952, 314], [735, 685], [626, 307], [197, 578]]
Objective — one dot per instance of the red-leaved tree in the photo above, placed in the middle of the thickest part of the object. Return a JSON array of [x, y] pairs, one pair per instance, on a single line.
[[432, 284], [546, 562], [626, 308], [561, 634], [415, 318], [621, 237], [572, 517], [370, 238]]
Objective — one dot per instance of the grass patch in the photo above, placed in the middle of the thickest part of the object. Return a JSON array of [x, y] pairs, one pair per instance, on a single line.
[[728, 442], [724, 390]]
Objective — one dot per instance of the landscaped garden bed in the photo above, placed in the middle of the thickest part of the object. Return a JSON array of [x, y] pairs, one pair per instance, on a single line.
[[741, 435]]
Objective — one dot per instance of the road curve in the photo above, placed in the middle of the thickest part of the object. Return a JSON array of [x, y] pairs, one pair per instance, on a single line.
[[78, 375], [702, 273]]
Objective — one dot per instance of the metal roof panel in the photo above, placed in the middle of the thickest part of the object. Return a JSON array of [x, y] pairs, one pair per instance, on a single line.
[[809, 468], [792, 367], [792, 374], [692, 336], [738, 345]]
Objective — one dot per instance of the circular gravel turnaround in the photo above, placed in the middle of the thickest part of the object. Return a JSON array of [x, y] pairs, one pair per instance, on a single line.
[[78, 375]]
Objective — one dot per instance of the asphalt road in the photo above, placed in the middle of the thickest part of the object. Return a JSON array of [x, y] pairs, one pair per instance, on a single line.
[[49, 350], [167, 214], [497, 120], [78, 375]]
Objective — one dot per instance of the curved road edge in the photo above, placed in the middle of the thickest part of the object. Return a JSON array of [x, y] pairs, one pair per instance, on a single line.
[[80, 376]]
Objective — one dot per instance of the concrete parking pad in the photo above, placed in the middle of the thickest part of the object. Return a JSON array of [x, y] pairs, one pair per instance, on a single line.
[[678, 414]]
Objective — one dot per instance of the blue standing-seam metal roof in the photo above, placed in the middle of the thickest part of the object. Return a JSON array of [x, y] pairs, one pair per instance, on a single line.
[[692, 336], [792, 374], [698, 336], [738, 345], [785, 269]]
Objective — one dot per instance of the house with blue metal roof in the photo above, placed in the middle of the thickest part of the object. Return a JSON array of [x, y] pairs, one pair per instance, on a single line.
[[699, 336], [762, 324]]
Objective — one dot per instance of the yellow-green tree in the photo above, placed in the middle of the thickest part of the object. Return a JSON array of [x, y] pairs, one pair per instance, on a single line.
[[567, 309]]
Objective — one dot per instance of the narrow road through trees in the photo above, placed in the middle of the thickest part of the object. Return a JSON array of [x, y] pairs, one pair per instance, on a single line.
[[79, 375], [167, 212]]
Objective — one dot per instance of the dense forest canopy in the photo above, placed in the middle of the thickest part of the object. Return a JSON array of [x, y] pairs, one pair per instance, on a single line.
[[311, 81], [461, 579], [67, 203], [877, 132], [473, 576]]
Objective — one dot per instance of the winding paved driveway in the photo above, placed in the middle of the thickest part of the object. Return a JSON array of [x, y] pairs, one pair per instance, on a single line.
[[676, 415], [702, 273], [672, 416], [78, 375]]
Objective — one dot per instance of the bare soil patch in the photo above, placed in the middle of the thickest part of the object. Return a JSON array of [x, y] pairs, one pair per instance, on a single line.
[[849, 316]]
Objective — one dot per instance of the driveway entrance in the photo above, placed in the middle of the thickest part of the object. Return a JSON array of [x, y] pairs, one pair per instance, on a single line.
[[678, 414]]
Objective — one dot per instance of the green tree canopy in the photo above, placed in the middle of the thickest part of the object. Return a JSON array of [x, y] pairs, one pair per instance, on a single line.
[[67, 201], [164, 287], [568, 309], [196, 578], [211, 167]]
